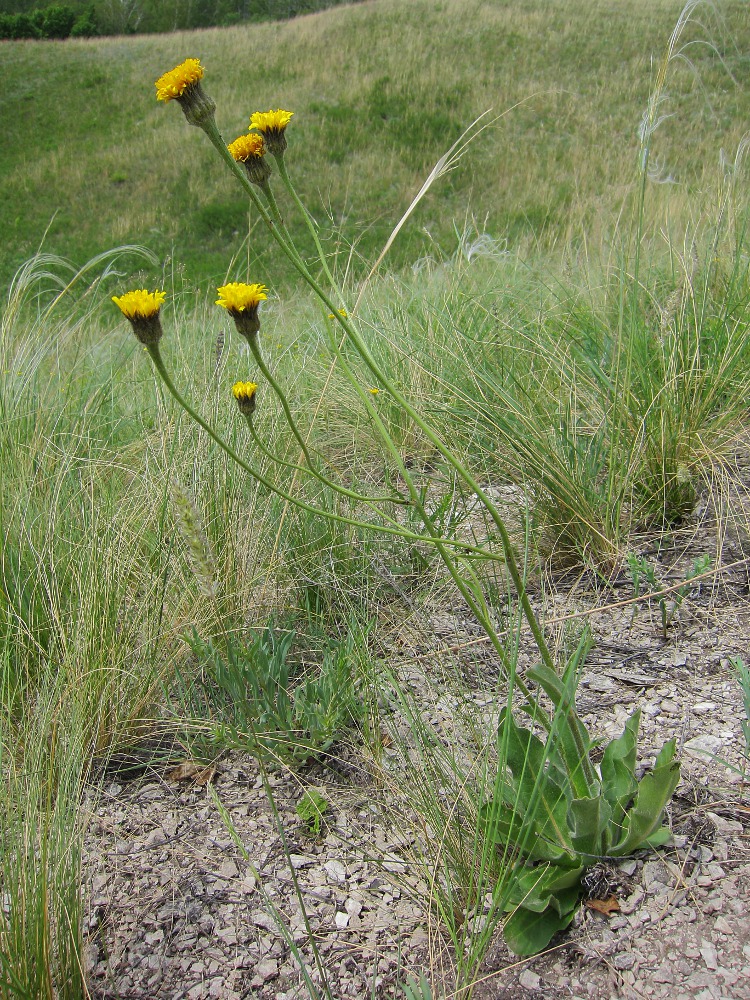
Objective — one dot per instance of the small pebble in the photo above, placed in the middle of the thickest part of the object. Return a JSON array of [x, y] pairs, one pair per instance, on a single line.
[[529, 980], [624, 961], [701, 707], [335, 870]]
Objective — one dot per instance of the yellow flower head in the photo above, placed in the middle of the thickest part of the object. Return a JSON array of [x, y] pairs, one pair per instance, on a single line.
[[183, 84], [174, 83], [241, 301], [237, 296], [273, 126], [142, 307], [374, 390], [139, 303], [244, 393], [247, 147], [250, 149], [270, 121]]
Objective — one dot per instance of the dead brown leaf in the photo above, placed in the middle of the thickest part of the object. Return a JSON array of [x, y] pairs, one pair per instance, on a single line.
[[192, 770], [605, 906]]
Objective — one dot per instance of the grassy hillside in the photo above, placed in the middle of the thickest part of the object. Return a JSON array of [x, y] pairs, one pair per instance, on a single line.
[[379, 90]]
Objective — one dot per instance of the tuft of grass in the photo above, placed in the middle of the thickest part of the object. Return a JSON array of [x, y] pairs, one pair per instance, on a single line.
[[43, 756]]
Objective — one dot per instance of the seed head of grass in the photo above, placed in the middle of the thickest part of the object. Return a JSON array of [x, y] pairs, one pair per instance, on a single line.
[[199, 550]]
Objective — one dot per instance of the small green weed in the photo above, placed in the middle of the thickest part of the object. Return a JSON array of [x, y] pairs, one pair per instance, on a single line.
[[310, 809], [642, 571], [257, 700], [743, 675], [414, 990]]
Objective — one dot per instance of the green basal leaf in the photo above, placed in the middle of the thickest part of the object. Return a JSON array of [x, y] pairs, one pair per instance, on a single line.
[[654, 791], [617, 768], [506, 827], [527, 933], [589, 822], [524, 757], [569, 742], [661, 837], [540, 801], [535, 887]]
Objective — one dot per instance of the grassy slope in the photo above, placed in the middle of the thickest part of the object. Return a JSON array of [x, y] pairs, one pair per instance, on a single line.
[[379, 90]]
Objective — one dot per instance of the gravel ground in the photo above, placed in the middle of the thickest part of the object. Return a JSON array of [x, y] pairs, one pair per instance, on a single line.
[[177, 910]]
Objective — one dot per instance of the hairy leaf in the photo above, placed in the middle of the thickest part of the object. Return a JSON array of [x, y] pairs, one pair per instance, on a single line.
[[589, 821]]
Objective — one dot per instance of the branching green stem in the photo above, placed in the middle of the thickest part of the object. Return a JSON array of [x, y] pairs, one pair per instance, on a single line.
[[254, 347], [155, 354], [213, 134], [310, 222], [475, 604]]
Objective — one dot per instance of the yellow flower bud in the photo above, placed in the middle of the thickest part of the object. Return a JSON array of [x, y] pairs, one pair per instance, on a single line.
[[241, 301], [273, 125], [244, 393]]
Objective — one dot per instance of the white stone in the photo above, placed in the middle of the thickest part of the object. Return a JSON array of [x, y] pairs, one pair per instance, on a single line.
[[392, 863], [335, 870], [228, 870], [709, 956], [267, 968], [529, 980], [704, 746], [727, 827], [301, 860]]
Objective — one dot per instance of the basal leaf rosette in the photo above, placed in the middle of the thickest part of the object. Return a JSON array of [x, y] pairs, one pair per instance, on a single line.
[[272, 125], [241, 301], [141, 308], [183, 84]]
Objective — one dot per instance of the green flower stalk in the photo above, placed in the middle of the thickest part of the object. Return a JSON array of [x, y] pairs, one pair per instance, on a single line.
[[241, 301], [386, 529]]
